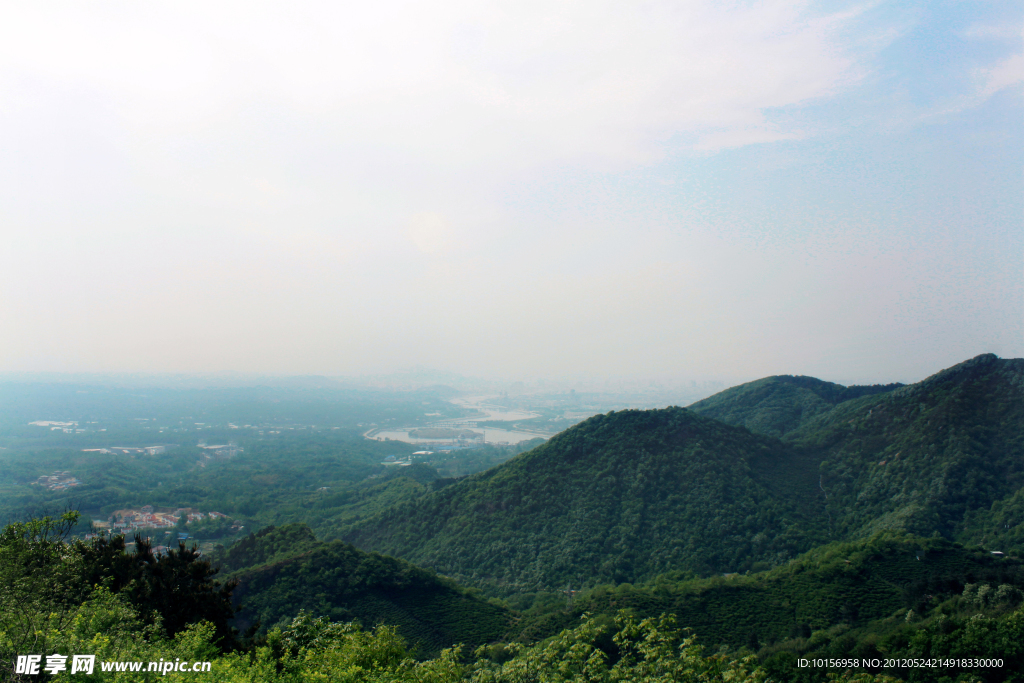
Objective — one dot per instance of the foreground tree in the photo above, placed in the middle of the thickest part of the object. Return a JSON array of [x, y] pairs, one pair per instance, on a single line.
[[647, 651], [39, 582], [179, 585]]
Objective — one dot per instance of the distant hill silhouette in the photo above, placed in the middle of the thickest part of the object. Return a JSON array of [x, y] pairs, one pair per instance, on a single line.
[[779, 404]]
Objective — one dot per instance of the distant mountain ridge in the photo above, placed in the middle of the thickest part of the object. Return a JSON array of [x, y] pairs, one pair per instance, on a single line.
[[779, 404], [922, 457], [624, 496]]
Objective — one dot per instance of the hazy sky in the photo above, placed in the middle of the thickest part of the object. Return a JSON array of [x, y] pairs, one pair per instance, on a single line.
[[512, 189]]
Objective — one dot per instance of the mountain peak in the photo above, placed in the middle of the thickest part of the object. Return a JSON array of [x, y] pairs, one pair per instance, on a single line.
[[961, 372], [779, 404], [619, 497]]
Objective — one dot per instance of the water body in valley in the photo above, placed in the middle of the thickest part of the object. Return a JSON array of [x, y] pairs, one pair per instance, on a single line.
[[487, 413]]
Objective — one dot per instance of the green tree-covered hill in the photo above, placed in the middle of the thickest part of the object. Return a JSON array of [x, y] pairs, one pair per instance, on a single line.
[[891, 502], [52, 608], [625, 496], [620, 497], [846, 585], [779, 404], [932, 457], [283, 570]]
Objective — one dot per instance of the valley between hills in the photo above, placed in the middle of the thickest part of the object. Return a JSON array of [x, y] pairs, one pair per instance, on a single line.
[[782, 520]]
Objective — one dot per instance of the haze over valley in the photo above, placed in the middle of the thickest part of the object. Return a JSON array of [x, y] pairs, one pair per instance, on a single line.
[[638, 508]]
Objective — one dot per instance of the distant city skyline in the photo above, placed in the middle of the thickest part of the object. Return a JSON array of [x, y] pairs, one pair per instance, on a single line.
[[411, 379], [506, 190]]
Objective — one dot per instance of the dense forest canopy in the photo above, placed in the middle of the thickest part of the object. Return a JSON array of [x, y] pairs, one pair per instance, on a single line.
[[785, 518], [618, 498], [777, 405], [627, 495]]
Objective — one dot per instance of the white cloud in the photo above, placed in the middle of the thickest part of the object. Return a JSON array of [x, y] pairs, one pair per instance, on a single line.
[[1007, 31], [739, 137], [255, 185], [455, 82], [1006, 74]]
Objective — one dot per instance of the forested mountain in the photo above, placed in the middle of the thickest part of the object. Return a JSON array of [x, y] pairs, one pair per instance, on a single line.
[[840, 589], [865, 524], [283, 570], [779, 404], [621, 497], [923, 457], [136, 617], [625, 496], [944, 455]]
